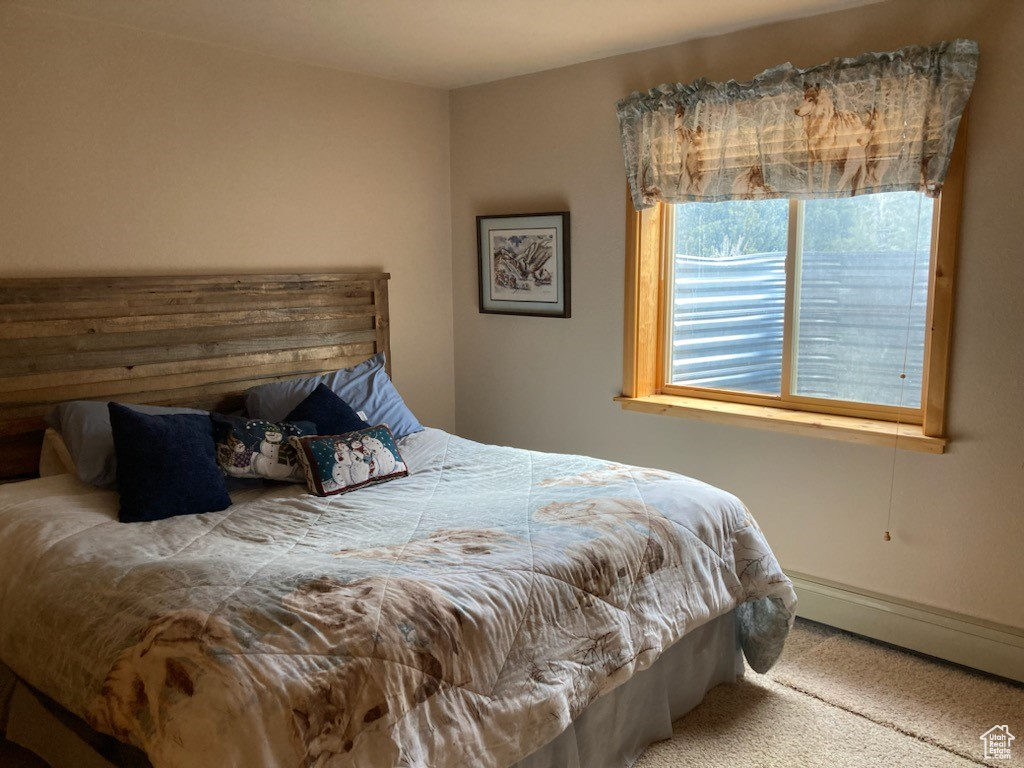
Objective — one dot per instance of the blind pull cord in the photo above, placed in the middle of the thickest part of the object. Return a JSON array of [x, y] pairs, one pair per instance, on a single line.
[[887, 536]]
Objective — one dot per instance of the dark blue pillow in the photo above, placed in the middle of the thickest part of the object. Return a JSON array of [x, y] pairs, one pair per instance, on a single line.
[[331, 414], [166, 465]]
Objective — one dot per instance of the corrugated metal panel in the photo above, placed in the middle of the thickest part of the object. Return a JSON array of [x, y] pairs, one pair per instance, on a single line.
[[728, 324], [857, 318]]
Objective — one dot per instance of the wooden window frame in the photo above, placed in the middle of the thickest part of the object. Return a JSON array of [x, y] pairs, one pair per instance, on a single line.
[[644, 387]]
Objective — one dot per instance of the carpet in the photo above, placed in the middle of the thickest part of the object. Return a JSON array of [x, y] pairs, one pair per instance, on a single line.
[[762, 724], [837, 701], [947, 706]]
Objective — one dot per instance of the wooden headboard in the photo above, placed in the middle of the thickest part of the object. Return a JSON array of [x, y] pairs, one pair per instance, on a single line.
[[184, 340]]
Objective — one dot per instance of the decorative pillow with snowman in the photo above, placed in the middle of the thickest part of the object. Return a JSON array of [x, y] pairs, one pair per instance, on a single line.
[[342, 463], [257, 448]]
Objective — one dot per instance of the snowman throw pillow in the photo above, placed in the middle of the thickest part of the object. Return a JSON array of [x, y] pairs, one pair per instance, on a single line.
[[257, 448], [342, 463]]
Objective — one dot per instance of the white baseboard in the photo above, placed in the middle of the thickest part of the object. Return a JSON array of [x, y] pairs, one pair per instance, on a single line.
[[961, 639]]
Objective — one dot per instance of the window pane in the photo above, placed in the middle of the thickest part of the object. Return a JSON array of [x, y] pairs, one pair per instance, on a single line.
[[863, 291], [729, 289]]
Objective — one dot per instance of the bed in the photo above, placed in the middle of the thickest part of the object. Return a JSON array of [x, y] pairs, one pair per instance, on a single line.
[[495, 607]]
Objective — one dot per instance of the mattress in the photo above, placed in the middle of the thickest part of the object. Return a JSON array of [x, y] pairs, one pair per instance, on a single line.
[[466, 614]]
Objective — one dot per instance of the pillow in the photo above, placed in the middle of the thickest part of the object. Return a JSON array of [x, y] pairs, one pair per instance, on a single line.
[[258, 448], [330, 413], [54, 458], [342, 463], [85, 427], [166, 465], [366, 387]]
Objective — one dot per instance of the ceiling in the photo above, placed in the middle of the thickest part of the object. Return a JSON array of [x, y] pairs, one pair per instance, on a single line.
[[440, 43]]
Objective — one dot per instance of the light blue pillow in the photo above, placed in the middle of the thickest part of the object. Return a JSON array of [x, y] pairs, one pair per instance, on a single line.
[[366, 388], [85, 427]]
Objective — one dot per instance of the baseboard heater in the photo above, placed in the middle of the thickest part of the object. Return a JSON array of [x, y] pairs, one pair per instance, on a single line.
[[954, 637]]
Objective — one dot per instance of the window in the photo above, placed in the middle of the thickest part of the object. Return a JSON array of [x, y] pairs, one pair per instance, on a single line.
[[820, 315], [857, 307]]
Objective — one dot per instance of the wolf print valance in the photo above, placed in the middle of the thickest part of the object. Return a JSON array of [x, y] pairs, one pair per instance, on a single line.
[[880, 122]]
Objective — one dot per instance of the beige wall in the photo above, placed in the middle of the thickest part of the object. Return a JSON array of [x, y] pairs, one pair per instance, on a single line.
[[124, 152], [550, 142]]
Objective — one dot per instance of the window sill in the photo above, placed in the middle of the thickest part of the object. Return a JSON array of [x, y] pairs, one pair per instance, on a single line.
[[856, 430]]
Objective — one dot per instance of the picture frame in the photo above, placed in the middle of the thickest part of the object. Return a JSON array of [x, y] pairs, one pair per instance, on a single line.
[[523, 264]]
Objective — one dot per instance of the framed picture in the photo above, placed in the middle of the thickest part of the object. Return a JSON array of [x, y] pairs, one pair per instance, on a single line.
[[524, 264]]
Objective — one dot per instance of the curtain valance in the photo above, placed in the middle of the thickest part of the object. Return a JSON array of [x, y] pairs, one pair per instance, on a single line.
[[879, 122]]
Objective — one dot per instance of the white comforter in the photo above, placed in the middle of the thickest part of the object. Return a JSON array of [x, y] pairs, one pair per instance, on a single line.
[[461, 616]]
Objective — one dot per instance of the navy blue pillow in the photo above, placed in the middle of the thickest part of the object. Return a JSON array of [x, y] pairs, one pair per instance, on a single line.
[[331, 414], [166, 465]]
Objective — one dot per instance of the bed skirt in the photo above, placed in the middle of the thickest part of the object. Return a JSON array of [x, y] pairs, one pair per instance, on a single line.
[[616, 728], [611, 732]]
